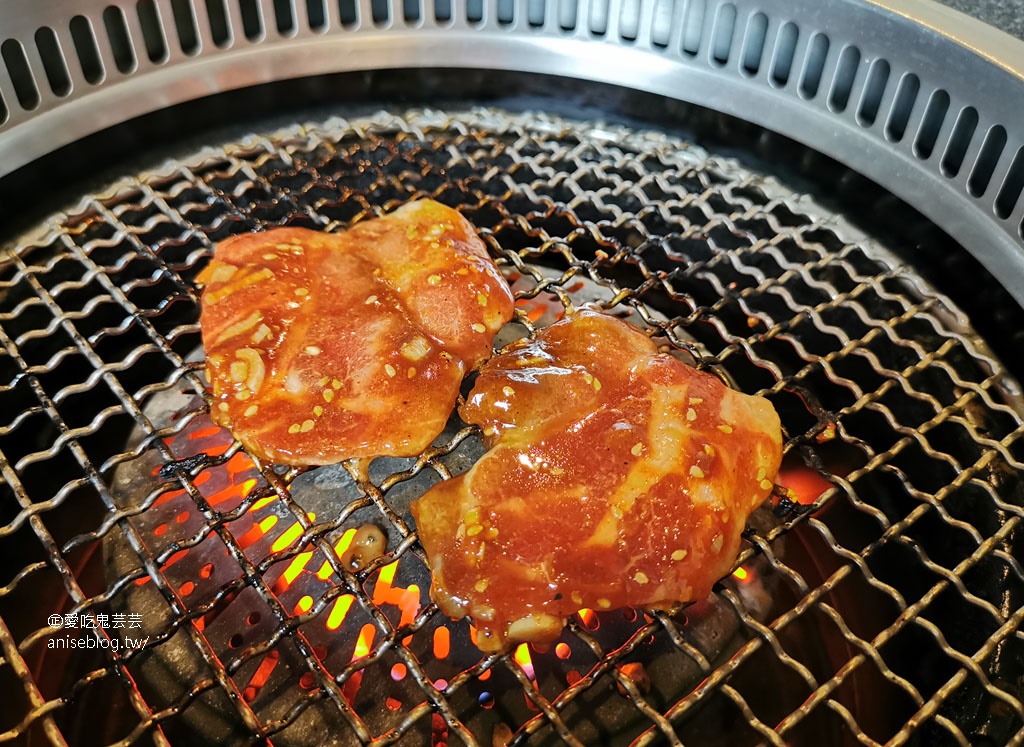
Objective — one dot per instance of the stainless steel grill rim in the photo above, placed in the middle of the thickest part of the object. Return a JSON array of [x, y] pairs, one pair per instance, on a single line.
[[750, 276], [915, 96]]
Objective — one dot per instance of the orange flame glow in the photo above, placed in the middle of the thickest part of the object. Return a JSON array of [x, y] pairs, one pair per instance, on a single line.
[[363, 645], [342, 545], [257, 531], [522, 658], [365, 641], [589, 618], [289, 535], [299, 562], [406, 599], [442, 642], [260, 676], [339, 611], [803, 484], [741, 574]]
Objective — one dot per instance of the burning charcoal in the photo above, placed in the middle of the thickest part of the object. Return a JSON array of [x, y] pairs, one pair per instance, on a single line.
[[368, 545], [637, 675]]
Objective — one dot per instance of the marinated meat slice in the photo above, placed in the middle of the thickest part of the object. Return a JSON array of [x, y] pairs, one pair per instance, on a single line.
[[616, 475], [322, 347]]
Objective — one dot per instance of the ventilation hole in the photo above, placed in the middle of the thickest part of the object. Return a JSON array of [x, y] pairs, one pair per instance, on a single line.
[[120, 42], [599, 17], [902, 106], [874, 89], [85, 49], [474, 11], [152, 30], [817, 54], [316, 14], [567, 14], [185, 26], [411, 10], [252, 19], [661, 23], [1013, 184], [21, 76], [959, 141], [348, 12], [721, 38], [219, 29], [934, 116], [284, 17], [991, 150], [535, 13], [54, 65], [753, 47], [846, 73], [443, 10], [380, 11], [629, 20], [506, 12], [785, 51], [693, 26]]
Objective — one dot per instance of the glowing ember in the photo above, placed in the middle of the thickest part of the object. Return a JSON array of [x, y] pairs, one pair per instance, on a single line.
[[287, 537], [406, 599], [365, 641], [741, 574], [299, 562], [260, 676], [339, 611], [589, 618], [562, 651], [303, 606], [804, 485], [442, 642], [398, 672], [208, 432], [522, 658], [363, 645], [342, 545], [256, 532]]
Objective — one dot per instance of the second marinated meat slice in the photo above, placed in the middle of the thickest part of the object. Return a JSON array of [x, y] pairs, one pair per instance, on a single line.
[[616, 476]]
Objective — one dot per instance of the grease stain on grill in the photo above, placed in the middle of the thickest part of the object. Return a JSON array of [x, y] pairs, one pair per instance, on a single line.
[[895, 411], [185, 465]]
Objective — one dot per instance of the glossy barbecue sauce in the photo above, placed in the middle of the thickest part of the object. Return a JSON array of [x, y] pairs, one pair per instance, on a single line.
[[322, 347], [616, 476]]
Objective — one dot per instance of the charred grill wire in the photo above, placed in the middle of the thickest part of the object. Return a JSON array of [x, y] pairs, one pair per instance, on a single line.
[[883, 605]]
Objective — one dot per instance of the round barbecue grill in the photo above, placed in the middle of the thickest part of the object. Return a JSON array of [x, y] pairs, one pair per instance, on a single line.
[[820, 203]]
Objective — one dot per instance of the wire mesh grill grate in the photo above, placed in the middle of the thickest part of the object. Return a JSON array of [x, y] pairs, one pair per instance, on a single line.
[[888, 610]]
